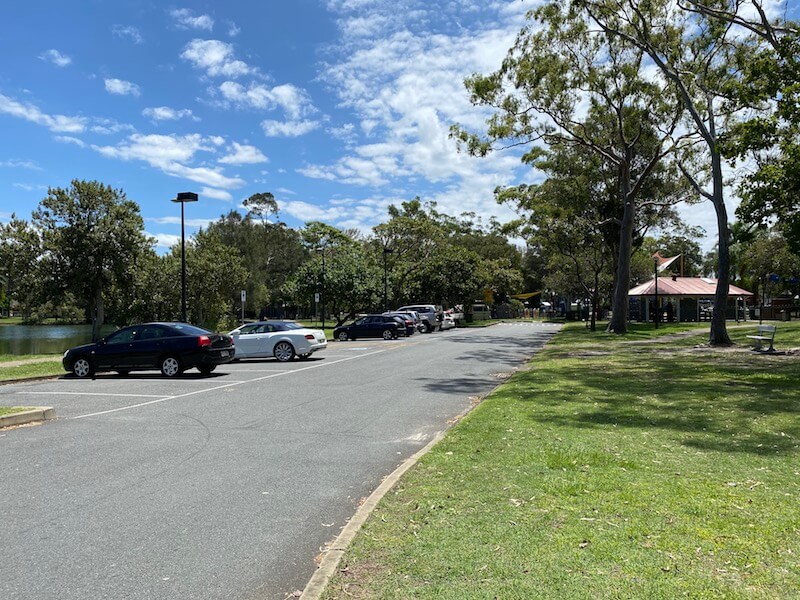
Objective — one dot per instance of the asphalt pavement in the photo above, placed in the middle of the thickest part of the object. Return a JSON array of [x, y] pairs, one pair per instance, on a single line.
[[226, 486]]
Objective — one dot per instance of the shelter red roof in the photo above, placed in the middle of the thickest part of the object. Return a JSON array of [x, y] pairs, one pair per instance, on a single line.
[[684, 286]]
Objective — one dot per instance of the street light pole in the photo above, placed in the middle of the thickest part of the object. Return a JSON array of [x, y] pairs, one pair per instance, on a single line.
[[385, 287], [182, 198], [657, 312], [322, 294]]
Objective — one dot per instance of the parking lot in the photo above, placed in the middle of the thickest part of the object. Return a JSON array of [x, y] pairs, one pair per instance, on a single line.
[[228, 485]]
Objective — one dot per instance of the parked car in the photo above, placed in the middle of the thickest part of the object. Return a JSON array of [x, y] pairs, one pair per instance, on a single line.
[[282, 339], [169, 347], [384, 326], [430, 314], [447, 322], [409, 322]]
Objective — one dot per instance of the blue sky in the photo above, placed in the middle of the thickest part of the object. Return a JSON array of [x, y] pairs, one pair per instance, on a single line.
[[337, 107]]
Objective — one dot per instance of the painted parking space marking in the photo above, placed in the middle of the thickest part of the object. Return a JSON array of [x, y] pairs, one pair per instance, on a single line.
[[60, 393], [227, 385]]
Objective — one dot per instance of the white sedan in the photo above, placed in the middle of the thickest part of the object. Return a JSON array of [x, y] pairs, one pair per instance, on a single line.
[[282, 339]]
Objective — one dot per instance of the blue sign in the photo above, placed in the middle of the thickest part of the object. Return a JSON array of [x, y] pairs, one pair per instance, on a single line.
[[774, 277], [793, 280]]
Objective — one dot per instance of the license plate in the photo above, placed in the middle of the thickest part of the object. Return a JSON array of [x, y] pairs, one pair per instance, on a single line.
[[224, 353]]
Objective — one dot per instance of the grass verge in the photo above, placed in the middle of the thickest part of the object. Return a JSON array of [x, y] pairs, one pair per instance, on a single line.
[[643, 466], [39, 369], [10, 410]]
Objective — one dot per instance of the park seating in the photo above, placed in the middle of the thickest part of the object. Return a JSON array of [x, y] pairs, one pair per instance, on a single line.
[[765, 333]]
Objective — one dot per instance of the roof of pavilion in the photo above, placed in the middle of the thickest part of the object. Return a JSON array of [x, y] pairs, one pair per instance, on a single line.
[[684, 286]]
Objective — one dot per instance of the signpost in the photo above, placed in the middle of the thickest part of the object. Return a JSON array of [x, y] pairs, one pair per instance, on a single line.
[[244, 299]]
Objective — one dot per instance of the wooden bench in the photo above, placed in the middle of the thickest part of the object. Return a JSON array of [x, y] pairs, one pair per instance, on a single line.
[[766, 333]]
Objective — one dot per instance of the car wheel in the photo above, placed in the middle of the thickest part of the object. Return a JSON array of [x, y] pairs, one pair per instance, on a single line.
[[206, 369], [343, 336], [428, 328], [82, 367], [284, 351], [171, 366], [388, 334]]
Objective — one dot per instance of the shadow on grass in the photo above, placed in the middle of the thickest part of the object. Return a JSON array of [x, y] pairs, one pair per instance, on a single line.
[[724, 402]]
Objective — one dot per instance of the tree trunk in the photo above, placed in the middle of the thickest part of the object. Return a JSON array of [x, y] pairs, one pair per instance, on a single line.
[[619, 316], [719, 332], [99, 315]]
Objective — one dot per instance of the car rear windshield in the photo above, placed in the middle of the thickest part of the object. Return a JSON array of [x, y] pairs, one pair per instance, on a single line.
[[189, 329]]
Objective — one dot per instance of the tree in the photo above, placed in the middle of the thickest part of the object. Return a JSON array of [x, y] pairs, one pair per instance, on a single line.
[[20, 254], [557, 67], [92, 239], [215, 273], [692, 50], [770, 85], [270, 252]]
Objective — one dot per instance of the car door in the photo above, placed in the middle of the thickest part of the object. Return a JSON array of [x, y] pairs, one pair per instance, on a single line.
[[264, 337], [360, 328], [247, 341], [147, 346], [116, 351]]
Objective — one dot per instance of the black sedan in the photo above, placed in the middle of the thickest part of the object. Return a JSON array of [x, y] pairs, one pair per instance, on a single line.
[[170, 347], [384, 326]]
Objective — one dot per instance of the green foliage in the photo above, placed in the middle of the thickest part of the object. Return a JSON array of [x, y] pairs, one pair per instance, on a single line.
[[92, 239]]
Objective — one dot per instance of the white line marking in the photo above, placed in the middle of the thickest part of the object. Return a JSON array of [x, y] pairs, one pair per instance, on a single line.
[[56, 393], [221, 387]]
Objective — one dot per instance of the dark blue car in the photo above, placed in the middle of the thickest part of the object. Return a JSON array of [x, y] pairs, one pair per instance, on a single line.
[[169, 347], [384, 326]]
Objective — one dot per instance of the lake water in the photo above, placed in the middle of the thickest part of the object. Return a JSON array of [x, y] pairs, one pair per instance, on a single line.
[[45, 339]]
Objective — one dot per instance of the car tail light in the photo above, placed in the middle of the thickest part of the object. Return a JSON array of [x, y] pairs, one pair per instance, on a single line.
[[203, 341], [309, 337]]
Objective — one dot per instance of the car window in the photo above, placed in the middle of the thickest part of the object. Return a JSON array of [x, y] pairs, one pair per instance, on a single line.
[[150, 333], [264, 328], [184, 329], [123, 336], [361, 321], [289, 325], [247, 329]]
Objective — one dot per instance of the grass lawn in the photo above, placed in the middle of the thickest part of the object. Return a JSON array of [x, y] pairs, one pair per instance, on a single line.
[[38, 369], [643, 466], [10, 321], [10, 410]]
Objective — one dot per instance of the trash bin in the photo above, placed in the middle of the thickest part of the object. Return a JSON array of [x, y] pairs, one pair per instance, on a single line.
[[784, 315]]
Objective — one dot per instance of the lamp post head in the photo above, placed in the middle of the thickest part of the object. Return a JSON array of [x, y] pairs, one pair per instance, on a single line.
[[185, 197]]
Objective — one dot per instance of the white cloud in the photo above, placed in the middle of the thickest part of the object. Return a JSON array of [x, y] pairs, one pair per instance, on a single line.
[[165, 113], [294, 101], [68, 139], [305, 211], [176, 220], [164, 240], [29, 112], [55, 57], [242, 154], [21, 164], [185, 19], [288, 128], [121, 87], [30, 188], [216, 58], [233, 30], [109, 126], [169, 153], [216, 194], [127, 32]]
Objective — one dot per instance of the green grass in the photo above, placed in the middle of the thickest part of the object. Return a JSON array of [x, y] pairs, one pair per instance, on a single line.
[[16, 357], [32, 370], [10, 321], [643, 466], [10, 410]]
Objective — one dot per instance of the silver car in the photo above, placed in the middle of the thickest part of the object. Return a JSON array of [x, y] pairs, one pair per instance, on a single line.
[[282, 339]]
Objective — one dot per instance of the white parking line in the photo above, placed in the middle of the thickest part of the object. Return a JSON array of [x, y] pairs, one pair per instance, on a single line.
[[58, 393], [227, 385]]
